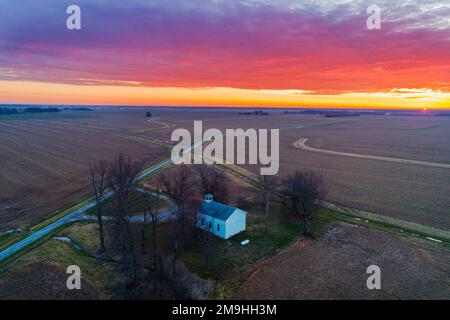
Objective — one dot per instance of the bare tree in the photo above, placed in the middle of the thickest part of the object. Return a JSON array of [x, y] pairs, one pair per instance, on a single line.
[[98, 180], [155, 216], [300, 194], [178, 186], [122, 179], [211, 180], [151, 204], [265, 192], [147, 207]]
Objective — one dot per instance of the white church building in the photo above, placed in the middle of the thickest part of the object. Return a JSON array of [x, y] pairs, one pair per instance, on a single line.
[[220, 219]]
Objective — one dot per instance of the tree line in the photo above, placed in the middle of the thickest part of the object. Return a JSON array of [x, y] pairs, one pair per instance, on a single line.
[[12, 111]]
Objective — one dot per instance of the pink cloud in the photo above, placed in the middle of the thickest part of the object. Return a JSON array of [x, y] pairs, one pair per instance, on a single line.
[[248, 47]]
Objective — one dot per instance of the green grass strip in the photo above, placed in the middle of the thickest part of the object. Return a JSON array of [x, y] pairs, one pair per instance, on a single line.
[[411, 227]]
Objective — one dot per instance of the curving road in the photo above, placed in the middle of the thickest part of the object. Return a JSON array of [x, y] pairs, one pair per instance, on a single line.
[[301, 144], [77, 214], [46, 230]]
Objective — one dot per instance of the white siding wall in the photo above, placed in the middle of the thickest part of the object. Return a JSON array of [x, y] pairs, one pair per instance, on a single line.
[[236, 223], [215, 226]]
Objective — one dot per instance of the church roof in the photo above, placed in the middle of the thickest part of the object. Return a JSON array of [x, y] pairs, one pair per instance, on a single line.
[[216, 210]]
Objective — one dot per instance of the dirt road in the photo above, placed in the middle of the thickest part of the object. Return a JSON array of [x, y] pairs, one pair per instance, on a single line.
[[301, 144]]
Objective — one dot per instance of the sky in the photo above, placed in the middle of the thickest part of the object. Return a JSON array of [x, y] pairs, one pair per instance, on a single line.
[[286, 53]]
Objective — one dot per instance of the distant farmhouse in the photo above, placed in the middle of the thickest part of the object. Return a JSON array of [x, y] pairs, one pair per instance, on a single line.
[[220, 219]]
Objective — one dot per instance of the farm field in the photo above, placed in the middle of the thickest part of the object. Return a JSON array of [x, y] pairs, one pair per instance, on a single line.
[[44, 162], [403, 191], [21, 283], [413, 138], [335, 268], [45, 159]]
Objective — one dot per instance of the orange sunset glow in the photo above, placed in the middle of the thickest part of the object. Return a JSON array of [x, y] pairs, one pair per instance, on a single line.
[[48, 93]]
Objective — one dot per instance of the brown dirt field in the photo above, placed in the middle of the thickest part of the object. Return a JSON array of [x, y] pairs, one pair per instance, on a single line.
[[404, 191], [335, 268], [22, 284], [44, 163], [415, 138]]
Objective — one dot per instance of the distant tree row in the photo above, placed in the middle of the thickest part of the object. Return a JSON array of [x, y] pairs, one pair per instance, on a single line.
[[8, 111], [79, 109], [254, 113]]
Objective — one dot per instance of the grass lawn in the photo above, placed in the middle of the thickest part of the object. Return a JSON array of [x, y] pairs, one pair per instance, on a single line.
[[5, 237], [229, 257], [228, 264], [84, 234], [61, 254]]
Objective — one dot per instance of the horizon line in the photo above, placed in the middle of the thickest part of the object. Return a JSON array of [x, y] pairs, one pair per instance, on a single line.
[[226, 107]]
